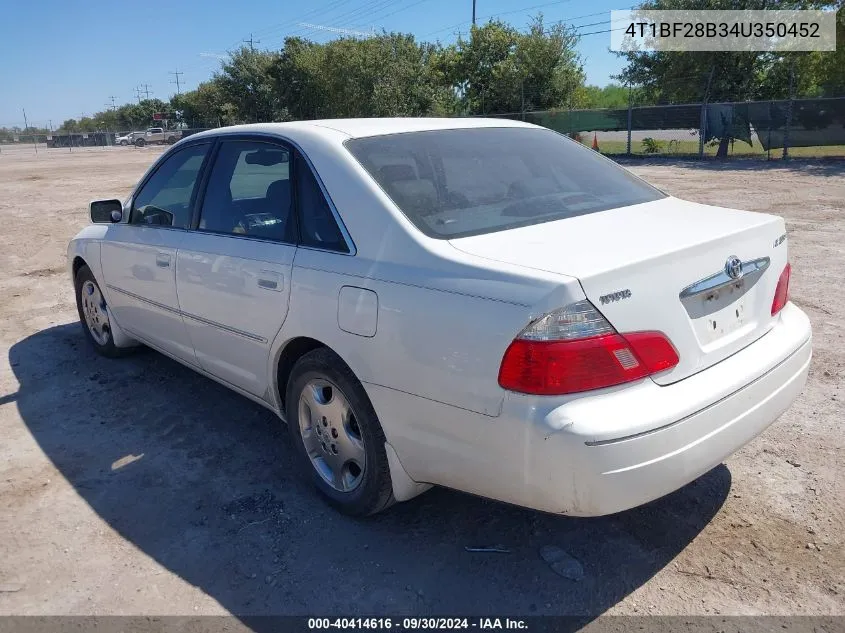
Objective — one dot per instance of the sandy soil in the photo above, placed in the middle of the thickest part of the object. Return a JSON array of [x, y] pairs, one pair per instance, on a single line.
[[137, 487]]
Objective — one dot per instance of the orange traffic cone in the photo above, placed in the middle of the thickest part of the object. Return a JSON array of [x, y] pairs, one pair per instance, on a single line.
[[595, 142]]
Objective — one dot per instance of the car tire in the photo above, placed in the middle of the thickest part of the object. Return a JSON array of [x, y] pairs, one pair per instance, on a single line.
[[321, 379], [94, 316], [140, 142], [124, 143]]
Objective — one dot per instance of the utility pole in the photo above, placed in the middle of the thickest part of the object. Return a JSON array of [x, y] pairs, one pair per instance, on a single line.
[[138, 93], [473, 12], [178, 86], [630, 114], [25, 127], [146, 90], [113, 109], [702, 129], [252, 42], [789, 108]]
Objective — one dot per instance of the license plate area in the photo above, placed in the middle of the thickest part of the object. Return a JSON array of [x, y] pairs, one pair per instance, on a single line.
[[718, 313]]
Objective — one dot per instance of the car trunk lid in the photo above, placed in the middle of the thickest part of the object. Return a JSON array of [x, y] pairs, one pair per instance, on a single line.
[[661, 266]]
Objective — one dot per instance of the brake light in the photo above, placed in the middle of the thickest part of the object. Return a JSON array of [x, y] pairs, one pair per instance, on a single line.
[[782, 290], [575, 349]]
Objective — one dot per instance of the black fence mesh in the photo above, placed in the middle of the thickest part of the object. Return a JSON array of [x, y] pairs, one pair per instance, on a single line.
[[806, 127]]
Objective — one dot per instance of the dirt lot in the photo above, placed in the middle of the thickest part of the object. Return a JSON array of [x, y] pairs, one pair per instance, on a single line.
[[137, 487]]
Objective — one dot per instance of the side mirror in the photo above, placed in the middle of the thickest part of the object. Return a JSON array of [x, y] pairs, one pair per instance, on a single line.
[[106, 211]]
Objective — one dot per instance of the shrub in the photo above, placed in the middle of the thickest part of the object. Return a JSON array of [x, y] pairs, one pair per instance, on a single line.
[[651, 146]]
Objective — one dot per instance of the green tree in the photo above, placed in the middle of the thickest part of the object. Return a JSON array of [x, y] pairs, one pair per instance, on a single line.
[[385, 75], [500, 70], [822, 73], [245, 82], [611, 96], [204, 106], [297, 79]]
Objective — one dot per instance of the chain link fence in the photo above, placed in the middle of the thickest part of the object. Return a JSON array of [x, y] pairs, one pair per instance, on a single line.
[[34, 138], [749, 129]]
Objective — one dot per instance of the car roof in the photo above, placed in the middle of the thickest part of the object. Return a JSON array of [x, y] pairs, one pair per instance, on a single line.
[[358, 128]]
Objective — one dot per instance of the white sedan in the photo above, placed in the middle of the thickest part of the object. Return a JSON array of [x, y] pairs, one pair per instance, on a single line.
[[479, 304]]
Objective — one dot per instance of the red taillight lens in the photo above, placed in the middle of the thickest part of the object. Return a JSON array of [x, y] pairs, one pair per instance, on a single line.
[[572, 366], [782, 291]]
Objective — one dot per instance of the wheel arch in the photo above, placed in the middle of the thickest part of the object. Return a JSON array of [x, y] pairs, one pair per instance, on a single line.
[[292, 351], [86, 252], [404, 487], [78, 262]]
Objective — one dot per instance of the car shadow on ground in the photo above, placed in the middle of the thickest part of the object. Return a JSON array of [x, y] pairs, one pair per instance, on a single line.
[[203, 481], [830, 167]]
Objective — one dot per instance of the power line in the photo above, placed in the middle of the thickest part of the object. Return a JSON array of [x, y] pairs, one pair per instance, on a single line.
[[363, 11], [584, 26], [387, 15], [567, 19], [495, 15], [178, 86], [368, 6], [621, 28], [335, 29], [146, 90], [274, 28]]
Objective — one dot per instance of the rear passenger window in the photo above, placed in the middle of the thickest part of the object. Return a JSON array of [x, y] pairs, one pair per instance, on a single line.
[[318, 227], [249, 192]]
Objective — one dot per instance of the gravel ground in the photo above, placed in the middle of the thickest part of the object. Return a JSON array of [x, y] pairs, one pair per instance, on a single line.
[[138, 487]]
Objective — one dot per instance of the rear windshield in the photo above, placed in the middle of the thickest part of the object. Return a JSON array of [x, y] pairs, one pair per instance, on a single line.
[[455, 183]]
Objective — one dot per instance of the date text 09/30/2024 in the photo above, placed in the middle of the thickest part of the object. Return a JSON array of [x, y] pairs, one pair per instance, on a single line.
[[411, 624]]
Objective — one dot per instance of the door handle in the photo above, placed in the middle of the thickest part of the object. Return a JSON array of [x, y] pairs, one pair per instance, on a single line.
[[163, 260], [270, 281]]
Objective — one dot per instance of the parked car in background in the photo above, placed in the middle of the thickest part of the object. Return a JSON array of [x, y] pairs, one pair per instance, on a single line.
[[159, 136], [475, 303], [127, 139]]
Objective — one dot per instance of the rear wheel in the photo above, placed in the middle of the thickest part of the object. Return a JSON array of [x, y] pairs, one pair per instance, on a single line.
[[94, 314], [140, 142], [337, 434]]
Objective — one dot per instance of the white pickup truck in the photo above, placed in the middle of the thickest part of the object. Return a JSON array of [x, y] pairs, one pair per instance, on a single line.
[[158, 135]]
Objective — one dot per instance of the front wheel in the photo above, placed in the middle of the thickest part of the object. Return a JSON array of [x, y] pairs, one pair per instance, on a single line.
[[94, 314], [124, 143], [336, 432]]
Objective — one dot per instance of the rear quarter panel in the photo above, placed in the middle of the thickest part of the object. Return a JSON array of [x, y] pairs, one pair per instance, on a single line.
[[440, 332]]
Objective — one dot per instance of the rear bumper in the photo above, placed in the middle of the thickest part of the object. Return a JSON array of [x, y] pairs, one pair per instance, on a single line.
[[626, 448], [606, 452]]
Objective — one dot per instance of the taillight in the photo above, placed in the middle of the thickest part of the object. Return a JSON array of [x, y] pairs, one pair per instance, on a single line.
[[782, 290], [575, 349]]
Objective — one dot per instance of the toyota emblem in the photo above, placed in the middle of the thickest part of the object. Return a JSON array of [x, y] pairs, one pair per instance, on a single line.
[[733, 267]]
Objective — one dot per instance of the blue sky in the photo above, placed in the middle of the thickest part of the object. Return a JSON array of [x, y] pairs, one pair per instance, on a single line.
[[63, 58]]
